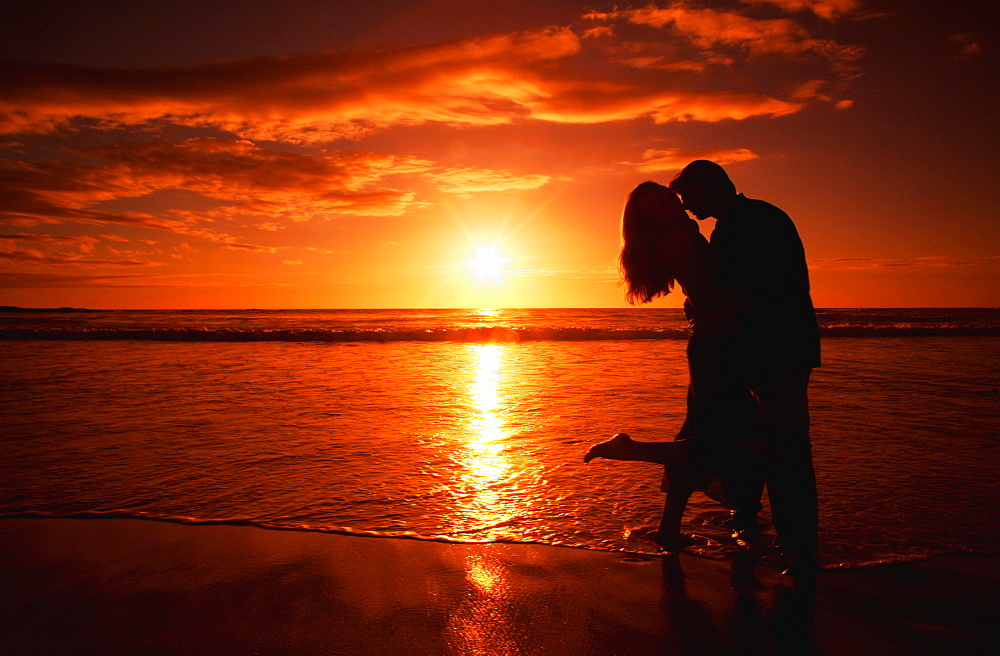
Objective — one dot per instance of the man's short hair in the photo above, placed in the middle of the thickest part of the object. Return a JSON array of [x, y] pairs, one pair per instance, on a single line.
[[702, 174]]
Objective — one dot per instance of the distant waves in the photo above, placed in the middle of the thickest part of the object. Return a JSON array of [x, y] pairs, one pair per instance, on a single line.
[[488, 334], [482, 334], [468, 326]]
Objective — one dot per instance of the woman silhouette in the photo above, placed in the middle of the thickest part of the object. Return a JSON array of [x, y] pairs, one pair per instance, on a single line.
[[714, 450]]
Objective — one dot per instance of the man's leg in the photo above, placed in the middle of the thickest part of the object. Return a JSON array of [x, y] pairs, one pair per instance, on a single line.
[[788, 467]]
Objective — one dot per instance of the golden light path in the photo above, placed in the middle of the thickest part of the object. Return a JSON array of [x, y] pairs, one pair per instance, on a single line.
[[479, 625], [486, 463]]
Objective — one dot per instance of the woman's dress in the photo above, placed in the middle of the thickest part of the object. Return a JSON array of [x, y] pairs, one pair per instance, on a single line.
[[721, 416]]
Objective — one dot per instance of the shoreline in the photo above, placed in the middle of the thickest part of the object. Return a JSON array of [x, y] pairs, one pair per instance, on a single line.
[[128, 586], [769, 558]]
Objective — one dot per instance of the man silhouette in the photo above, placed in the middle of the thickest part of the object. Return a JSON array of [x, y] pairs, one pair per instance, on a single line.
[[761, 257]]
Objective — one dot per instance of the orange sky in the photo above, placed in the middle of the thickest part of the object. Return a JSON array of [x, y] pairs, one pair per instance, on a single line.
[[218, 154]]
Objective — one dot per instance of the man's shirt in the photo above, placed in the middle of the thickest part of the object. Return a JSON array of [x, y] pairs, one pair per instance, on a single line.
[[762, 256]]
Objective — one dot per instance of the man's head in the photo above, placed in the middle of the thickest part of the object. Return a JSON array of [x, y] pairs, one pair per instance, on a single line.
[[705, 189]]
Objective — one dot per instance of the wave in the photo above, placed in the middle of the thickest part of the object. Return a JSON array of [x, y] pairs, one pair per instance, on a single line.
[[458, 334], [478, 334]]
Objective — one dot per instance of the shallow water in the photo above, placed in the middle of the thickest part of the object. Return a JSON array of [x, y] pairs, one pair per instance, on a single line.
[[483, 441]]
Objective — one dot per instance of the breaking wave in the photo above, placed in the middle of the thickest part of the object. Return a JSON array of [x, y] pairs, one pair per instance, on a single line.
[[511, 325], [478, 334]]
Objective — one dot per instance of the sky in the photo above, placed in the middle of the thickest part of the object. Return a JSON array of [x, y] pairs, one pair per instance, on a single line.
[[473, 153]]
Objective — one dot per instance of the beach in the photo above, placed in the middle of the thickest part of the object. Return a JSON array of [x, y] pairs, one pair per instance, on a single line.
[[127, 586]]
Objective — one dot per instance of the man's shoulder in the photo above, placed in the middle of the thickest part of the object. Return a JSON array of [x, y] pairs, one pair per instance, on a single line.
[[759, 207], [762, 215]]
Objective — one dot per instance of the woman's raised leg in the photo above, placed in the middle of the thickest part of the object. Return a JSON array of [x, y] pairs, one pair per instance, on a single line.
[[623, 447]]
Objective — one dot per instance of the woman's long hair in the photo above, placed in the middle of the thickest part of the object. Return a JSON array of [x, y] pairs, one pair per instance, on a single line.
[[651, 213]]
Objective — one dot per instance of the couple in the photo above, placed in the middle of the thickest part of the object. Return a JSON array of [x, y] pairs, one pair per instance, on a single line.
[[754, 342]]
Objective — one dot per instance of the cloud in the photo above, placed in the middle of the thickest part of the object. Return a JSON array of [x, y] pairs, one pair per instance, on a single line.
[[674, 159], [711, 29], [818, 90], [657, 54], [828, 9], [970, 44], [78, 251], [84, 240], [264, 181], [552, 74], [311, 97], [466, 181], [35, 192], [20, 255], [610, 102], [251, 248], [245, 178]]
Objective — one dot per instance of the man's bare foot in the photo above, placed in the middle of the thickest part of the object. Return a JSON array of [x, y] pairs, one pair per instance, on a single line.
[[804, 569], [672, 541], [611, 449]]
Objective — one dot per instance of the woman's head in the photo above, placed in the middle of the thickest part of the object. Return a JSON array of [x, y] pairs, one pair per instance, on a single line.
[[649, 209], [651, 212]]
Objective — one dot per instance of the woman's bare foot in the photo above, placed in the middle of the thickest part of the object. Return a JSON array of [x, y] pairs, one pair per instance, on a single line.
[[613, 448]]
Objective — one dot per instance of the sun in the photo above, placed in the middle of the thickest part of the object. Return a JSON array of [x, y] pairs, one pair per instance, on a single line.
[[487, 263]]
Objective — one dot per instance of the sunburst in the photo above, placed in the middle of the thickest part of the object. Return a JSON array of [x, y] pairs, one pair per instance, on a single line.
[[487, 263]]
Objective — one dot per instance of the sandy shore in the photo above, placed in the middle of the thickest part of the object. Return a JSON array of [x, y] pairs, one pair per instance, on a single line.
[[116, 586]]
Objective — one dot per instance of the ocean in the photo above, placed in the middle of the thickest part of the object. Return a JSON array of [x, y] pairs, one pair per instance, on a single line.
[[471, 425]]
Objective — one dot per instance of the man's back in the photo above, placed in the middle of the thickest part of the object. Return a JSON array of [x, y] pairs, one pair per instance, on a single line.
[[761, 253]]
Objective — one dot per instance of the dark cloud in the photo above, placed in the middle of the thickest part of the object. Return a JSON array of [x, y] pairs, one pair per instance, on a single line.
[[829, 9], [317, 97]]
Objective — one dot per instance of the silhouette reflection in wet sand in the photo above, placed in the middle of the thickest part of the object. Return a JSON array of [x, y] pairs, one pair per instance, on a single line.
[[126, 586], [135, 586]]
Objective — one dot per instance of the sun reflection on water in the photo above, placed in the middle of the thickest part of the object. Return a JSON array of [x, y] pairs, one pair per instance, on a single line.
[[486, 313], [487, 425], [488, 486], [485, 459]]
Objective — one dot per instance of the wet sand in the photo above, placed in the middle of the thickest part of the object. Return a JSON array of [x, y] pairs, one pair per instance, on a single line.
[[122, 586]]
